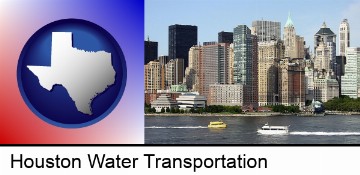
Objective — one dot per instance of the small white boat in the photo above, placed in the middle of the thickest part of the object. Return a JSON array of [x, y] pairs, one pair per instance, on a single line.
[[267, 129]]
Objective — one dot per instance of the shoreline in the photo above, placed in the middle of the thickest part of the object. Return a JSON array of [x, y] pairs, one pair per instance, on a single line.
[[265, 114], [249, 114]]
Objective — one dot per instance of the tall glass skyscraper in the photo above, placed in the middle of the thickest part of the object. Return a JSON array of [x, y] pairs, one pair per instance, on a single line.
[[243, 69], [242, 55], [181, 39]]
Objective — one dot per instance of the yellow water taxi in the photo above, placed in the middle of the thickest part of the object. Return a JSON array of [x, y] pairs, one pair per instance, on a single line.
[[217, 124]]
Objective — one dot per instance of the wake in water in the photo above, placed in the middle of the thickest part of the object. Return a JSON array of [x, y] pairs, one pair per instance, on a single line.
[[174, 127], [326, 133]]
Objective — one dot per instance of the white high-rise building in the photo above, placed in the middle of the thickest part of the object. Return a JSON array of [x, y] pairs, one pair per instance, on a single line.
[[344, 37], [350, 82]]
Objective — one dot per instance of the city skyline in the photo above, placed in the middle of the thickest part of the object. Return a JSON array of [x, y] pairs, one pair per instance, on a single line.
[[231, 13]]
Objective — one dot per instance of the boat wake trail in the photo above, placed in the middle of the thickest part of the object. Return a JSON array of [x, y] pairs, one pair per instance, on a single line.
[[326, 133], [174, 127]]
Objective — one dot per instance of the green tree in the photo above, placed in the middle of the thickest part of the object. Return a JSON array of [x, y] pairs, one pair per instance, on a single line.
[[192, 110], [343, 103], [200, 110], [147, 105], [148, 110], [162, 110], [172, 110], [167, 109], [153, 110], [177, 110]]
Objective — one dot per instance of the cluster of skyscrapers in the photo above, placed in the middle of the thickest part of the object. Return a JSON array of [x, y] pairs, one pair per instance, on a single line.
[[256, 66]]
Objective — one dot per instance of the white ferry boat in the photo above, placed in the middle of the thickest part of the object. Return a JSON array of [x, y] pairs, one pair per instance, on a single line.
[[266, 129]]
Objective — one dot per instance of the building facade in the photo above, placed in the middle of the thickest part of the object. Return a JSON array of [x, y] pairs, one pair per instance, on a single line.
[[242, 55], [162, 102], [325, 49], [294, 44], [289, 38], [350, 82], [325, 88], [190, 100], [309, 83], [291, 82], [225, 37], [150, 97], [254, 92], [344, 37], [223, 59], [213, 65], [270, 53], [208, 68], [231, 65], [178, 88], [340, 69], [192, 71], [243, 65], [323, 58], [226, 94], [151, 51], [181, 39], [174, 72], [266, 30], [152, 77], [300, 51], [163, 60], [285, 82]]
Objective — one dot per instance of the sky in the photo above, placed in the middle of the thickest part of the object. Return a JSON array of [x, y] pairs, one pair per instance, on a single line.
[[213, 16]]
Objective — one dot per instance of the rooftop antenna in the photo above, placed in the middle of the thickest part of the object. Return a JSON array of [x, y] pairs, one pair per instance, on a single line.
[[148, 38], [324, 24]]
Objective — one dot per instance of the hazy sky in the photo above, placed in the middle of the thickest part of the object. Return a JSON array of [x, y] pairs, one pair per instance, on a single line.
[[213, 16]]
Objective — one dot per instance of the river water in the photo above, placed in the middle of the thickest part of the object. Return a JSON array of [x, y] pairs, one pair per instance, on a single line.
[[330, 129]]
